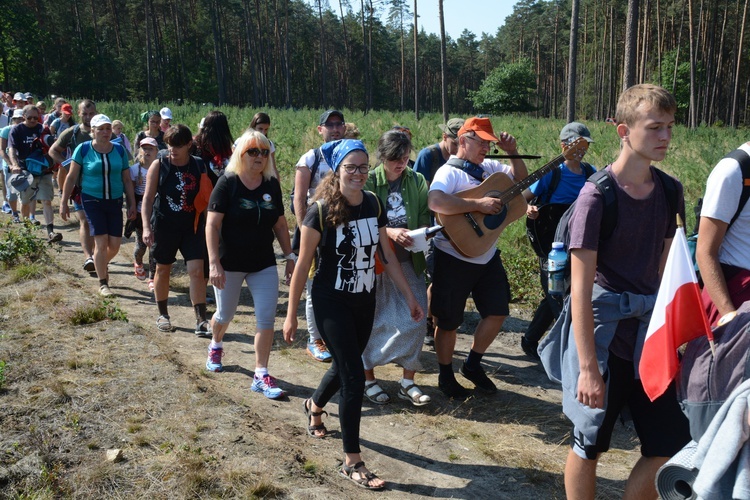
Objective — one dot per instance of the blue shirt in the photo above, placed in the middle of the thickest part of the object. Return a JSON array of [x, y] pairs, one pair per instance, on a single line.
[[567, 189], [101, 174]]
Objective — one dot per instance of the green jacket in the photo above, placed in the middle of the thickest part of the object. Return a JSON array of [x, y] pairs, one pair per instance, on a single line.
[[414, 193]]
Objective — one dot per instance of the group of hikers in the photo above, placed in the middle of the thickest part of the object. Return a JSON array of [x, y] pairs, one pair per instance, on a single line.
[[377, 287]]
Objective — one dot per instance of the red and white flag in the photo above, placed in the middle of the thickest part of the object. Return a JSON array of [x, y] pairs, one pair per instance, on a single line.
[[678, 317]]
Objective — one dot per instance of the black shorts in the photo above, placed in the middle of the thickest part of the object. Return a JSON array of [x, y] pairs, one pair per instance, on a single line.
[[661, 426], [454, 279], [169, 238]]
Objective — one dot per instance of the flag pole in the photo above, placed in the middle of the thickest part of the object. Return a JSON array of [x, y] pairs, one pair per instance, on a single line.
[[709, 332]]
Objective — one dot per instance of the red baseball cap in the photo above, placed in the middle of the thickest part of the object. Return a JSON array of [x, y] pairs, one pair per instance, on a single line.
[[482, 127], [67, 109]]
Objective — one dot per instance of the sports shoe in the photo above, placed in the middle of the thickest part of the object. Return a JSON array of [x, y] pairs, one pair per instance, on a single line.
[[54, 237], [140, 272], [203, 329], [267, 385], [16, 219], [104, 291], [6, 208], [89, 266], [318, 350], [480, 379], [33, 220], [213, 363], [529, 348], [151, 285], [453, 389]]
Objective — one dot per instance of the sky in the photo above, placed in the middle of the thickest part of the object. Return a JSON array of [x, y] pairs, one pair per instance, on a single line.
[[475, 15]]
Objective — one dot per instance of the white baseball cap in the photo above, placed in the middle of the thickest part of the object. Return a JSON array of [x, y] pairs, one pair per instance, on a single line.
[[18, 113], [19, 96], [99, 120], [166, 113]]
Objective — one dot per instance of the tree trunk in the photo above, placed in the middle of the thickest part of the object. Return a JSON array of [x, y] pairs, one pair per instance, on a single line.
[[443, 64], [572, 57], [416, 64], [736, 92], [323, 71], [692, 112], [631, 44]]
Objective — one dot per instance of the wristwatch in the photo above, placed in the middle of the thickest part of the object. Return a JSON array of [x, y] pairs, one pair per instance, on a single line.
[[291, 256]]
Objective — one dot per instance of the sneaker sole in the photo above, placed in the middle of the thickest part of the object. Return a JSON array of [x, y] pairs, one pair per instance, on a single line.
[[261, 391], [215, 370], [89, 267]]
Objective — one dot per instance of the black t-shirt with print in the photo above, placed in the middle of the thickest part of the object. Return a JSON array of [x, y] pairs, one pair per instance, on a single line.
[[246, 240], [177, 193], [347, 254]]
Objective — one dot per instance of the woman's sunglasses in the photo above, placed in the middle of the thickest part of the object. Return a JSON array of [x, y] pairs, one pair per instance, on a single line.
[[255, 152]]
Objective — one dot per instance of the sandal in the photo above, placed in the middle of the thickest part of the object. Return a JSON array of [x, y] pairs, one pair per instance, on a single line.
[[309, 414], [376, 394], [163, 324], [414, 394], [364, 477]]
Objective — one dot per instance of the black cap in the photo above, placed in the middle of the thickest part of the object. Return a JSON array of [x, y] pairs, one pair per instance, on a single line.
[[324, 117]]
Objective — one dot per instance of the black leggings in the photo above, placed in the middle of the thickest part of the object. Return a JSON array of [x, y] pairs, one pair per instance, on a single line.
[[345, 328]]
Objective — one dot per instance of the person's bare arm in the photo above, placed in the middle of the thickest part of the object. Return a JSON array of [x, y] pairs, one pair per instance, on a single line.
[[582, 272], [448, 204], [302, 179], [3, 147], [707, 254], [147, 205], [508, 144]]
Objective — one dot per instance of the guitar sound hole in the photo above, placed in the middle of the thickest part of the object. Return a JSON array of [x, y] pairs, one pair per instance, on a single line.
[[494, 221]]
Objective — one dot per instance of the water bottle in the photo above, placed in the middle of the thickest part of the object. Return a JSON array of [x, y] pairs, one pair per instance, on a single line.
[[556, 261]]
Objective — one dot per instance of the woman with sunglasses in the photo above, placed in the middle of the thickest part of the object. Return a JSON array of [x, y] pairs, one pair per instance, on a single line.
[[347, 223], [395, 338], [245, 213]]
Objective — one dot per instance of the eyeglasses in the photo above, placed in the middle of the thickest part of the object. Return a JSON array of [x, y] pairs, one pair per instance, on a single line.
[[34, 118], [255, 152], [350, 168], [334, 124], [488, 144]]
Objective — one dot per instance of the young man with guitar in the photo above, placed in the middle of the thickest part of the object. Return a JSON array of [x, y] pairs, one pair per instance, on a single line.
[[548, 199], [457, 275]]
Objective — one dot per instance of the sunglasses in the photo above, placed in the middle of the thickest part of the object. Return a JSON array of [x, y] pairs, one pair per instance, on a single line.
[[32, 118], [350, 168], [334, 124], [255, 152]]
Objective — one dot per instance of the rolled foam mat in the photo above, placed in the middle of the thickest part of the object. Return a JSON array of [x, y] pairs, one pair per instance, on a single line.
[[674, 480]]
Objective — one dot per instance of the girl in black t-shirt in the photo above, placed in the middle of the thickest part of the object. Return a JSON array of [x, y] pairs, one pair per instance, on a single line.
[[245, 213], [347, 223]]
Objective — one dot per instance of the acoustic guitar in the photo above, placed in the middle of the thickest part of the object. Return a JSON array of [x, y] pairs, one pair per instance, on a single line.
[[474, 233]]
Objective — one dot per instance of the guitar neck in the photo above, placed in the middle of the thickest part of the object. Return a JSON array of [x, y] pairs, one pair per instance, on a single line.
[[519, 187]]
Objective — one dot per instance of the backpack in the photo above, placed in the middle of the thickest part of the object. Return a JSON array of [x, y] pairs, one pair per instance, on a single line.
[[437, 159], [606, 186], [313, 170], [704, 382], [741, 157], [541, 231]]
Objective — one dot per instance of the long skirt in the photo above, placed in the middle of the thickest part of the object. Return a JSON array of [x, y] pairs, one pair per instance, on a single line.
[[396, 338]]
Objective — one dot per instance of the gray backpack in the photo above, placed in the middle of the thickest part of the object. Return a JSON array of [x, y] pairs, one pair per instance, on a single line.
[[705, 382]]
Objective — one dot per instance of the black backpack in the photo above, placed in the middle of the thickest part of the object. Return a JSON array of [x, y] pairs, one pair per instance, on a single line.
[[606, 186], [541, 231], [437, 160]]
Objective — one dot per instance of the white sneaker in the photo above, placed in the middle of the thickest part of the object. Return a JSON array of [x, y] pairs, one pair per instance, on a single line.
[[104, 291]]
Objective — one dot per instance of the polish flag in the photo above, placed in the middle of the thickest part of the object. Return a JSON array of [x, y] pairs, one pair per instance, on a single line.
[[678, 317]]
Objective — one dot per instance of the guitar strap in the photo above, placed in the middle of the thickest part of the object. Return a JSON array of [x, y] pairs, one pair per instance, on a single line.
[[470, 168]]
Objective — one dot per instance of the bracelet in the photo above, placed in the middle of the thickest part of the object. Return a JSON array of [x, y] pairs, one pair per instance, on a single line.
[[291, 256]]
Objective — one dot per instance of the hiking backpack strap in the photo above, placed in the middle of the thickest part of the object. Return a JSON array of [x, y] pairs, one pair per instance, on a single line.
[[670, 190], [606, 186], [437, 160], [316, 163], [743, 159]]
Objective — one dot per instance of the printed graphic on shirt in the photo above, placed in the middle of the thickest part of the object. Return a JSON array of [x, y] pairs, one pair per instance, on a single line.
[[186, 183], [396, 210], [265, 204], [356, 244]]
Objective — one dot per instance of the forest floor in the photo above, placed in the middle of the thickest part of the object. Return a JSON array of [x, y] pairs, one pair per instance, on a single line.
[[68, 394]]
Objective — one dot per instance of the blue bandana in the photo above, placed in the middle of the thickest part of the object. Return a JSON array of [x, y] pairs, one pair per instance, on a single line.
[[335, 151]]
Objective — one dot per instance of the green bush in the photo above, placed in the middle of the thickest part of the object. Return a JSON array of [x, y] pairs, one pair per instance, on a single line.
[[19, 243]]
